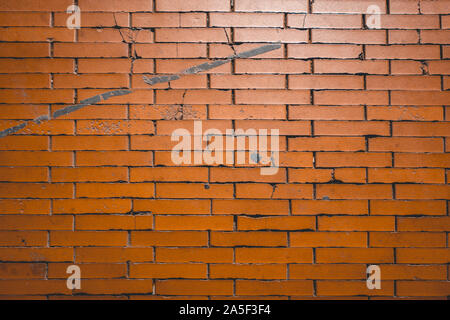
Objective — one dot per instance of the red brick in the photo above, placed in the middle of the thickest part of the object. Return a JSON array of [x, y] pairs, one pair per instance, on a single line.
[[272, 6], [335, 51], [271, 35], [403, 52], [328, 21], [246, 20], [349, 36], [347, 6], [201, 5]]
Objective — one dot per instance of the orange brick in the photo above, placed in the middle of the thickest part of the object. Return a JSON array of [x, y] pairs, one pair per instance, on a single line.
[[168, 174], [411, 191], [77, 206], [423, 224], [36, 190], [348, 191], [345, 159], [164, 271], [247, 112], [90, 271], [249, 239], [292, 287], [61, 143], [327, 271], [338, 97], [397, 207], [30, 174], [22, 271], [22, 239], [327, 144], [194, 287], [328, 239], [246, 271], [413, 272], [266, 207], [404, 113], [113, 158], [168, 239], [36, 254], [247, 81], [273, 255], [276, 223], [425, 129], [351, 67], [205, 255], [356, 223], [420, 160], [25, 206], [25, 19], [325, 82], [157, 20], [407, 239], [113, 255], [386, 175], [115, 190], [172, 206], [91, 50], [423, 255], [312, 207], [194, 223], [272, 66], [351, 128], [354, 255], [183, 190], [87, 238], [422, 288], [272, 97], [336, 288], [113, 222], [326, 113], [274, 191]]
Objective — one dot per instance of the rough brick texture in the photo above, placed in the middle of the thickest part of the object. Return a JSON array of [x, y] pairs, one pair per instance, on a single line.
[[364, 150]]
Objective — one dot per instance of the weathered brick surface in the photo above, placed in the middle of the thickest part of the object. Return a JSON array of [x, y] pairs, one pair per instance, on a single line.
[[364, 150]]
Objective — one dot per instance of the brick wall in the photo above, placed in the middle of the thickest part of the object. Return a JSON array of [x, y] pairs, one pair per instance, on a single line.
[[364, 141]]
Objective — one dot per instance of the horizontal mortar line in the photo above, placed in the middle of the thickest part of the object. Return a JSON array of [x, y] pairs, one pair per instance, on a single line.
[[159, 79]]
